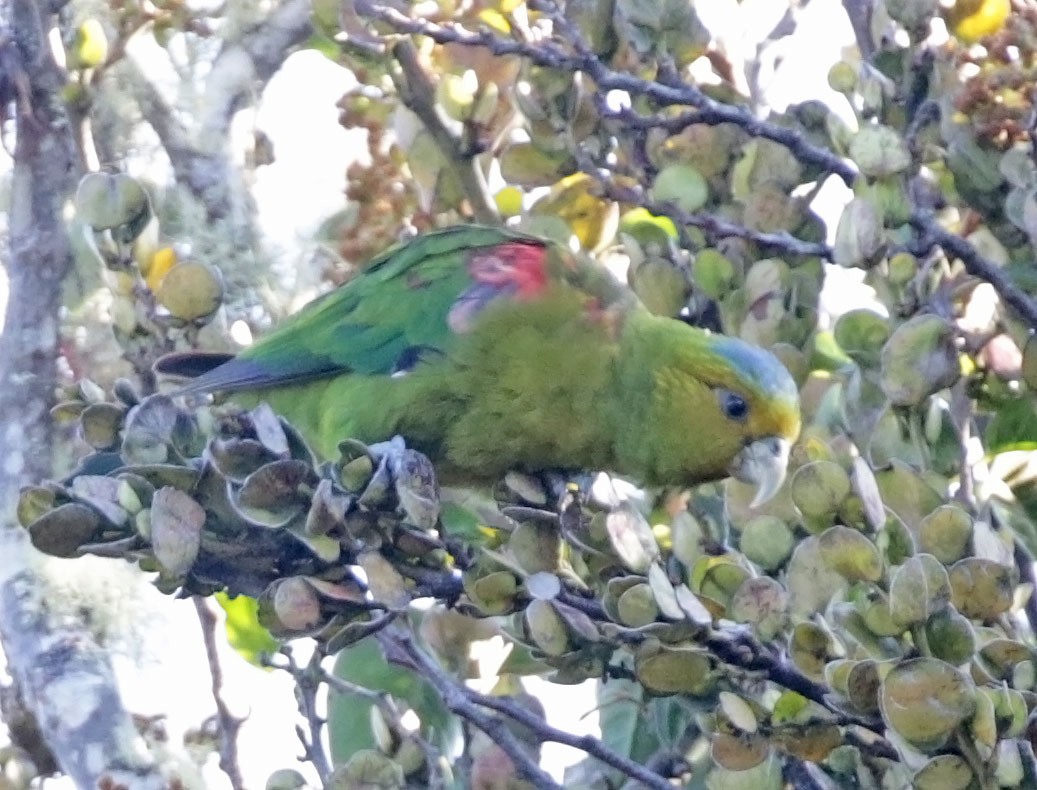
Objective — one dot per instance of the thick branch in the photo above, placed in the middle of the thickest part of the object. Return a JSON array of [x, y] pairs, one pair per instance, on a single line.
[[200, 156], [418, 94], [244, 66]]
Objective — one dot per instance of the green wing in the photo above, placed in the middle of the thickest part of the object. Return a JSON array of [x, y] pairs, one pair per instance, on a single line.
[[409, 304]]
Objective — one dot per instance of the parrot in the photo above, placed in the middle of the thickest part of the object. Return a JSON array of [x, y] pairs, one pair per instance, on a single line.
[[491, 350]]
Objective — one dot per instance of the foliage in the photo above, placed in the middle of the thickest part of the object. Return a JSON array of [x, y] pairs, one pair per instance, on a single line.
[[871, 626]]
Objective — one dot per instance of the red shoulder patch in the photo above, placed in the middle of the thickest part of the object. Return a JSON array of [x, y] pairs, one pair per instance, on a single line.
[[517, 267], [514, 270]]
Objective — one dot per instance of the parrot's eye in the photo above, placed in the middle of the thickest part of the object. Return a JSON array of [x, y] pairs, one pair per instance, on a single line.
[[733, 405]]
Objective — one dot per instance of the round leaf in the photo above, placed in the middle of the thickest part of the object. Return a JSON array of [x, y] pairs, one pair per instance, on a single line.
[[176, 530], [683, 185], [191, 291], [925, 699], [982, 589], [850, 554]]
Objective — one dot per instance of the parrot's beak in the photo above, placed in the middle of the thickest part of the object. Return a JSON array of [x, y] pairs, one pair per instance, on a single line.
[[762, 464]]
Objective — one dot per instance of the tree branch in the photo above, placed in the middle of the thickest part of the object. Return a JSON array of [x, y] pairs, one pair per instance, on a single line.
[[466, 702], [307, 681], [199, 156], [933, 235], [386, 705], [418, 94], [244, 66], [229, 724], [552, 55], [713, 226]]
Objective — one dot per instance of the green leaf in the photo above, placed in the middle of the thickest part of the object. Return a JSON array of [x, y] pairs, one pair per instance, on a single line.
[[925, 699], [349, 715], [1013, 427], [244, 633]]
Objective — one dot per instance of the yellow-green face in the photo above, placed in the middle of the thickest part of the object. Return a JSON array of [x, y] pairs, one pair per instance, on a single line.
[[739, 410]]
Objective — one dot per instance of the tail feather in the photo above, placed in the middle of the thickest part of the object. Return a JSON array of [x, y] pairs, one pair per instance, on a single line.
[[221, 372], [190, 364]]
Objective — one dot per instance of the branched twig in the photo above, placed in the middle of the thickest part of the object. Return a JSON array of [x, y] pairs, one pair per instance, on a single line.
[[676, 94], [739, 649], [933, 235], [467, 702], [418, 94], [458, 699], [669, 93], [228, 723], [386, 704], [586, 743], [307, 682], [711, 225]]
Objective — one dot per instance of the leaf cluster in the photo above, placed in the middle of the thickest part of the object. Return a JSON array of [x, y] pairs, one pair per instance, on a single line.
[[872, 626]]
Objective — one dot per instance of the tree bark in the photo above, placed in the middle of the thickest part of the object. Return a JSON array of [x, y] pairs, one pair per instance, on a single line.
[[64, 677], [200, 152]]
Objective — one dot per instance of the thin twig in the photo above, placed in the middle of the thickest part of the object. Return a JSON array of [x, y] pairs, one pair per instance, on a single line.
[[386, 704], [1024, 562], [308, 681], [713, 226], [229, 724], [586, 743], [738, 648], [932, 234]]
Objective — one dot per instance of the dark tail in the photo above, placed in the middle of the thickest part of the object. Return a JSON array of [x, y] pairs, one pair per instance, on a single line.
[[190, 364]]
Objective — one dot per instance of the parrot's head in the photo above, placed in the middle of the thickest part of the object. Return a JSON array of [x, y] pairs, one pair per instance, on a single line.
[[719, 407], [762, 400]]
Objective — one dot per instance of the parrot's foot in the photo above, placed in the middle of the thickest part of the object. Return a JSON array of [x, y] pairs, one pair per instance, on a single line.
[[565, 483], [550, 489]]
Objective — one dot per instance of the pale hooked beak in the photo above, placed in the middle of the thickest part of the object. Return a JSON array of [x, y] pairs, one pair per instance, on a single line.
[[762, 464]]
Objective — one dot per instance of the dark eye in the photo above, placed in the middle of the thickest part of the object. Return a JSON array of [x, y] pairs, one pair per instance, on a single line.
[[733, 405]]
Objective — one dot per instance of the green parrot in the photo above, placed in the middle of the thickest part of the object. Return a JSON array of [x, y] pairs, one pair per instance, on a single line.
[[490, 350]]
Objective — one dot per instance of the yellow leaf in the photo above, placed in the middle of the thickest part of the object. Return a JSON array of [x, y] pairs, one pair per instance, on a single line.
[[495, 20], [244, 633], [160, 263], [591, 219], [90, 47], [972, 20]]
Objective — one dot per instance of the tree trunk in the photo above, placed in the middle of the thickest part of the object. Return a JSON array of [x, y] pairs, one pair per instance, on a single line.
[[63, 676]]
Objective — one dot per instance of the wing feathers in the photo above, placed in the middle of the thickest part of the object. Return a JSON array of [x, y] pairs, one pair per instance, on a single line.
[[419, 295]]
